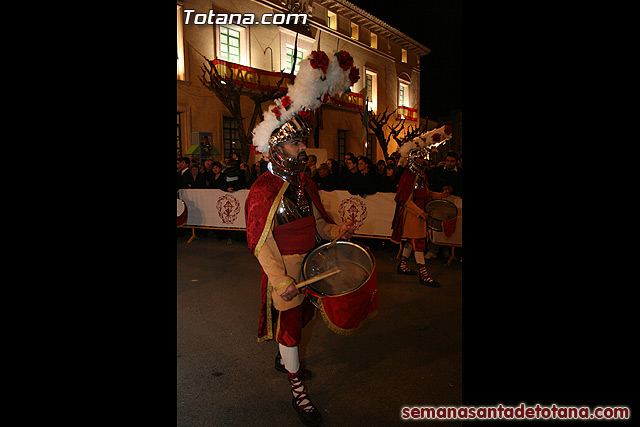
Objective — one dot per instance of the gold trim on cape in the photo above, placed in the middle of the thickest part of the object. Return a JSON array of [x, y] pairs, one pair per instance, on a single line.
[[269, 335], [263, 238]]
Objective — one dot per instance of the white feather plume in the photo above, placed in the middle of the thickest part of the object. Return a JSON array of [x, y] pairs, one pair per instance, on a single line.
[[311, 85], [405, 148], [425, 140]]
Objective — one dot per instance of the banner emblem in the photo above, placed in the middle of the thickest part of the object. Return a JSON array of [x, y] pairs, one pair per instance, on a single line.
[[228, 208], [353, 209]]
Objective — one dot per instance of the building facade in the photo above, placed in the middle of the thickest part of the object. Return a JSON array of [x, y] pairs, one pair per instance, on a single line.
[[388, 61]]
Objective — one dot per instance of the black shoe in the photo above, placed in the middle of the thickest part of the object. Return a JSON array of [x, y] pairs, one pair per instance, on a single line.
[[425, 279], [303, 374], [430, 282], [403, 269], [312, 418]]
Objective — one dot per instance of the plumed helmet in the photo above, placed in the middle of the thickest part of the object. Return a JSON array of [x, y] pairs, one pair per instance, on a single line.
[[318, 78]]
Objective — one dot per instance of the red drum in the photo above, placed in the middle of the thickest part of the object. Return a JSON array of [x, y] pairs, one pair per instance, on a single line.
[[349, 297], [439, 212], [182, 212]]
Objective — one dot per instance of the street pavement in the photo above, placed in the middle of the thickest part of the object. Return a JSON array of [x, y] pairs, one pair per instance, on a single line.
[[410, 354]]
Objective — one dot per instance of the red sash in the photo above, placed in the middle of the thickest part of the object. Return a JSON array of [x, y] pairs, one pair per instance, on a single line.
[[420, 196], [296, 237]]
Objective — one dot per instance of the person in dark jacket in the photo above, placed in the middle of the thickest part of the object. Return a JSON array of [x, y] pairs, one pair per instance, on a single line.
[[348, 174], [215, 179], [334, 168], [193, 178], [389, 182], [183, 168], [234, 177], [448, 174], [324, 179], [364, 181]]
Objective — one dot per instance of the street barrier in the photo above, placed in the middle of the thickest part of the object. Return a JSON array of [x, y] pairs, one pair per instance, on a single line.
[[371, 215]]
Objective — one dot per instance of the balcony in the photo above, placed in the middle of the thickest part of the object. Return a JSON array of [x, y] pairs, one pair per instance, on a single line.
[[407, 113], [254, 78]]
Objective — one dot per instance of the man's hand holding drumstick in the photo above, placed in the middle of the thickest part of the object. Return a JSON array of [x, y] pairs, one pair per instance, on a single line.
[[346, 230]]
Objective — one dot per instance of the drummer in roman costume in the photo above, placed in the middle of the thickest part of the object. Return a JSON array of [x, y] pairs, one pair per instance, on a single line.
[[410, 221], [284, 214]]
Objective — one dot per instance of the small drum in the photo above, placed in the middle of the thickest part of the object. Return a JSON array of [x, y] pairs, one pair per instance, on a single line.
[[439, 211], [349, 297], [182, 212]]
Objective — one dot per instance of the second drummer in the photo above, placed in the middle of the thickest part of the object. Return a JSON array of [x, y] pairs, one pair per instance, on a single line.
[[410, 220]]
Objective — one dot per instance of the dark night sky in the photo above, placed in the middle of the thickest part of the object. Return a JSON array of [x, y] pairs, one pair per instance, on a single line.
[[437, 24]]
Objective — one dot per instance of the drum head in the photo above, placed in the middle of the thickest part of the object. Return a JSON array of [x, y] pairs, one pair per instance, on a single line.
[[181, 207], [182, 212], [438, 211], [354, 261]]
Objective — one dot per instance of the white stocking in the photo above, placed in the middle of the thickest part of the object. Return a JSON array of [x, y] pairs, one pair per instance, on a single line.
[[289, 357], [407, 249]]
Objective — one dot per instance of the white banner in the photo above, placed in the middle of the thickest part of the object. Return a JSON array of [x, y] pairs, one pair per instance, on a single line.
[[372, 215], [214, 208]]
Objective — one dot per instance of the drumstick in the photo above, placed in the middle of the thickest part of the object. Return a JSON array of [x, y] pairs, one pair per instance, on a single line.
[[333, 242], [334, 270]]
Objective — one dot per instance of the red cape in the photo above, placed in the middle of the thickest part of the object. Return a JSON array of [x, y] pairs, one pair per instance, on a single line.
[[405, 186], [263, 198], [405, 189]]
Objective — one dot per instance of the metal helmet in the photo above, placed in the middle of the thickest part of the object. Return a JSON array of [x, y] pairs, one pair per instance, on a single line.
[[285, 166], [418, 153]]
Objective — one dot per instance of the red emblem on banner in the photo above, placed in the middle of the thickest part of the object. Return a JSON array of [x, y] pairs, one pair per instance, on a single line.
[[353, 209], [228, 208]]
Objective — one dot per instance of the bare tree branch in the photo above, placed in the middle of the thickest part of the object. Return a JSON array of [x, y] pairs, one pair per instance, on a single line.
[[229, 91]]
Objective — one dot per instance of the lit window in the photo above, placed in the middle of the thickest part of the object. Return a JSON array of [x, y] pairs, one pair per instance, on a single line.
[[232, 44], [180, 45], [403, 95], [299, 55], [332, 20], [374, 41], [404, 56], [229, 44], [371, 82], [288, 40], [354, 31]]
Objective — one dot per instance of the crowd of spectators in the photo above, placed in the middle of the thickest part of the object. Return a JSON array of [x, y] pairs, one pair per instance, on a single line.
[[357, 174]]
